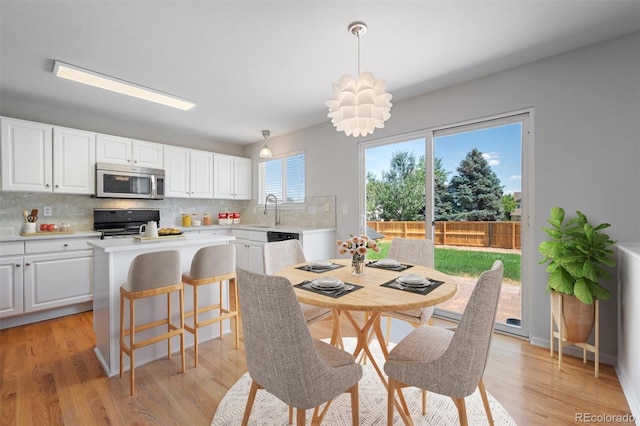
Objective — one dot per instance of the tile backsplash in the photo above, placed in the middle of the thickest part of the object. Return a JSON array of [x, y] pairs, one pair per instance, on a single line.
[[77, 210]]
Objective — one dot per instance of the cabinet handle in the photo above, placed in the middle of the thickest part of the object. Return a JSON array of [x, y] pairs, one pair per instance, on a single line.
[[27, 264], [57, 186], [47, 185], [18, 265], [135, 161], [66, 245]]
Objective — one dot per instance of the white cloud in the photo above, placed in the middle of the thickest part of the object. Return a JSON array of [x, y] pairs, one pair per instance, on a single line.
[[493, 158], [515, 177]]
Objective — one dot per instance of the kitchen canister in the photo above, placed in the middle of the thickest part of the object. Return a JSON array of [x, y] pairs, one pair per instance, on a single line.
[[186, 220], [206, 219]]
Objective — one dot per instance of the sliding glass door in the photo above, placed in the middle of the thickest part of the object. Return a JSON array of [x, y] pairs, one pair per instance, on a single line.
[[460, 186]]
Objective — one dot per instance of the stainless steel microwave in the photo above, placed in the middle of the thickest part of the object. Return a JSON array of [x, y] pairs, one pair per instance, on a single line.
[[120, 181]]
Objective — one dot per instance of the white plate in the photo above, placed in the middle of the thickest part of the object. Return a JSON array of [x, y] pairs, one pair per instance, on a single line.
[[320, 263], [413, 279], [326, 285], [327, 281], [388, 262]]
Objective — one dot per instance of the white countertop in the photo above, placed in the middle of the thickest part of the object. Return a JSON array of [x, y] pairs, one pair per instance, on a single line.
[[264, 228], [50, 235], [186, 230], [129, 244]]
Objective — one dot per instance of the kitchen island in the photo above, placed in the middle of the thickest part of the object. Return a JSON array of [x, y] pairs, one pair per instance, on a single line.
[[111, 260]]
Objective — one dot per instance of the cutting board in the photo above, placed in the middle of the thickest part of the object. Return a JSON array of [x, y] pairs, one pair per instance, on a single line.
[[45, 233], [143, 239]]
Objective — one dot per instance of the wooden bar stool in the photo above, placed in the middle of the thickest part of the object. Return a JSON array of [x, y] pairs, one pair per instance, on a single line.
[[151, 274], [213, 264]]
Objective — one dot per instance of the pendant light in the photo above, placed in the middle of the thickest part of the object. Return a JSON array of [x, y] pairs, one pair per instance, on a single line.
[[361, 105], [266, 152]]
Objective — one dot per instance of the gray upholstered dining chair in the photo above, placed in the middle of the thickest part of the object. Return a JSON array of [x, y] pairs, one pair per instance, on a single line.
[[278, 255], [419, 252], [448, 362], [283, 358]]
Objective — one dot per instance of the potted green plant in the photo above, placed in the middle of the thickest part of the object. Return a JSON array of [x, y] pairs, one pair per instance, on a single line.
[[577, 255]]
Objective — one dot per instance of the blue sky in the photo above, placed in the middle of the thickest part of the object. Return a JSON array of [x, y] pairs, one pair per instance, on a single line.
[[501, 146]]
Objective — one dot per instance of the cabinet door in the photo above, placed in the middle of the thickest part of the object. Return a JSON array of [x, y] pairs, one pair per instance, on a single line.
[[113, 149], [242, 178], [256, 262], [11, 300], [26, 156], [74, 161], [201, 174], [177, 171], [223, 176], [55, 280], [242, 255], [148, 154]]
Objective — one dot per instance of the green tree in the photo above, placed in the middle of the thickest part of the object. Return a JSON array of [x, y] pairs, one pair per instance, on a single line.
[[401, 193], [442, 199], [373, 190], [476, 190], [509, 204]]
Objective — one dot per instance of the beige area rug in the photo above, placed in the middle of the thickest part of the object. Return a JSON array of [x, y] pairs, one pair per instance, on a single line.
[[270, 411]]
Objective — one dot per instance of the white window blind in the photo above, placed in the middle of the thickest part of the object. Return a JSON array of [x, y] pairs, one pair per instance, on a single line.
[[284, 177]]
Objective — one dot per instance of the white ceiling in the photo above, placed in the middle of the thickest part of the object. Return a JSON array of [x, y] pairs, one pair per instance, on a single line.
[[254, 65]]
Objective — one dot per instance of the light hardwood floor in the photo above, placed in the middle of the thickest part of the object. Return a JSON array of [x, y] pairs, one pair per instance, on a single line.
[[50, 376]]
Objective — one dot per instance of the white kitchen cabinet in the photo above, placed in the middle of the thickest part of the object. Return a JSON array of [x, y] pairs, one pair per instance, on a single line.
[[131, 152], [44, 278], [232, 177], [188, 173], [55, 280], [27, 154], [11, 286], [38, 157], [249, 249], [74, 161]]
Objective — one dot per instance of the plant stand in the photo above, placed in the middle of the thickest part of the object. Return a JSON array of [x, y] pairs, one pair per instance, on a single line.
[[562, 342]]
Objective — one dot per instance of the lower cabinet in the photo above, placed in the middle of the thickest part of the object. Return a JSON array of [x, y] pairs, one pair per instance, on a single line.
[[11, 286], [249, 256], [44, 278], [54, 280], [249, 249]]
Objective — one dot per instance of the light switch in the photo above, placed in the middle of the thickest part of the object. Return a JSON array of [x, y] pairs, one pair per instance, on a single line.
[[345, 209]]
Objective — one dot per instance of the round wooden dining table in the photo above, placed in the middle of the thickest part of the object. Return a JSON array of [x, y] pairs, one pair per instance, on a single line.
[[373, 293]]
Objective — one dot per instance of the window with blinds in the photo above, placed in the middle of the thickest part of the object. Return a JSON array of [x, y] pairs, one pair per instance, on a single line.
[[283, 177]]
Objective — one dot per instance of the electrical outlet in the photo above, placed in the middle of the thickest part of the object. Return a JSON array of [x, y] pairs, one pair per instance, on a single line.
[[47, 211], [326, 207], [345, 209]]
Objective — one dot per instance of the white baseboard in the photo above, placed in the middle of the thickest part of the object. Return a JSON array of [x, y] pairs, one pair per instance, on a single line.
[[630, 392]]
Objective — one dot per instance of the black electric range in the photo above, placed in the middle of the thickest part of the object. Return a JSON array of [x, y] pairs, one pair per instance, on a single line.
[[122, 222]]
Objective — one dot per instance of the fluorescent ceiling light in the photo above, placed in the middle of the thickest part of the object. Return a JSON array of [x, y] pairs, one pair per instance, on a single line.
[[92, 78]]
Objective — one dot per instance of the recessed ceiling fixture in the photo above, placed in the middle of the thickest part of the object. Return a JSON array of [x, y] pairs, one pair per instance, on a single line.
[[266, 152], [359, 106], [92, 78]]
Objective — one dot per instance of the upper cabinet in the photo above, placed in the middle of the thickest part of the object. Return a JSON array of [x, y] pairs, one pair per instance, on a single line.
[[27, 154], [74, 161], [132, 152], [232, 177], [41, 158], [188, 173]]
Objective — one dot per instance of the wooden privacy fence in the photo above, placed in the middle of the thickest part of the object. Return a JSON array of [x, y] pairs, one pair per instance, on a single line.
[[470, 234]]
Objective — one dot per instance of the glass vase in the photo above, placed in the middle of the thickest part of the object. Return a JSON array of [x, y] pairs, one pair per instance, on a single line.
[[357, 265]]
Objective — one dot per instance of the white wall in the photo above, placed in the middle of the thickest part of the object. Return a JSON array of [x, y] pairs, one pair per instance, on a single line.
[[586, 152]]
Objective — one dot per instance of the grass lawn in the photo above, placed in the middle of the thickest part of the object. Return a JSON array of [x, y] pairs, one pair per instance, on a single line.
[[465, 263]]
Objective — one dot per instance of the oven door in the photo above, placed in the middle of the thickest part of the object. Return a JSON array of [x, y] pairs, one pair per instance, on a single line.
[[120, 184]]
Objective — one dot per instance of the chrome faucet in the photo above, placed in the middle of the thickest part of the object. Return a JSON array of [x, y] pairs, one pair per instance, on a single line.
[[274, 199]]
